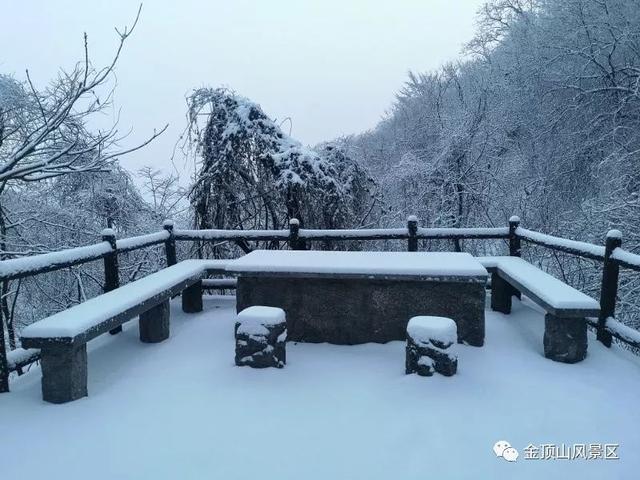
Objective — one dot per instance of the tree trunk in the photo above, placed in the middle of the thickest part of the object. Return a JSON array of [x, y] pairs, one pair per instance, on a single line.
[[4, 368]]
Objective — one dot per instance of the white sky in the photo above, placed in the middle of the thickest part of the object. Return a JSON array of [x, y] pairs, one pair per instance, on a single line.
[[333, 66]]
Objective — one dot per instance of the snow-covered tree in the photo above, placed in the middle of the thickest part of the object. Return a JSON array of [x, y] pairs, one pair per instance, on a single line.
[[253, 176], [541, 119], [59, 183]]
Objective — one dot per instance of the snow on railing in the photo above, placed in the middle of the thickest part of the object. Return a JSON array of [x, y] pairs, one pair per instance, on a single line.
[[623, 332], [47, 262], [355, 234], [626, 259], [619, 330], [219, 283], [342, 234], [231, 234], [141, 241], [574, 247], [21, 357], [434, 233]]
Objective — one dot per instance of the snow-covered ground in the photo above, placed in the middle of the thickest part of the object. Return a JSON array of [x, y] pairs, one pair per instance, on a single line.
[[182, 410]]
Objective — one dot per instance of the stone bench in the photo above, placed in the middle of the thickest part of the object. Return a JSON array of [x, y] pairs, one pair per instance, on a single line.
[[565, 331], [62, 338], [261, 333], [429, 342]]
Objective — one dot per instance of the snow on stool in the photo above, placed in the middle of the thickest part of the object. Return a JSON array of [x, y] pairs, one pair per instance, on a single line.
[[428, 343], [261, 333]]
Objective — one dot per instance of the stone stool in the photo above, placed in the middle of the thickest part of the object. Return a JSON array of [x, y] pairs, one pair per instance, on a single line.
[[261, 333], [428, 346]]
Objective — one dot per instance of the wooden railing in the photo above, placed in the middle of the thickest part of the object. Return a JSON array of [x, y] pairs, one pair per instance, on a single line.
[[611, 255]]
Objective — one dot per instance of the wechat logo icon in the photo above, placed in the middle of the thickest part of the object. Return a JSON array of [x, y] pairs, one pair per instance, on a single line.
[[504, 450]]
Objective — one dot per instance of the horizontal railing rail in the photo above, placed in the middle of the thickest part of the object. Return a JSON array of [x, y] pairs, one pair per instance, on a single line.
[[573, 247], [611, 255], [49, 262]]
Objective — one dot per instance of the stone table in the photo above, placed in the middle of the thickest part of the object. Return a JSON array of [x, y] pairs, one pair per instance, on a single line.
[[349, 298]]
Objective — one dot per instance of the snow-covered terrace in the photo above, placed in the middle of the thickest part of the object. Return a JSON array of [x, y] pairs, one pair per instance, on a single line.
[[182, 410]]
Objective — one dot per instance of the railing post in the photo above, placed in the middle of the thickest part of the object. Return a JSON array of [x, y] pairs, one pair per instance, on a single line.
[[294, 235], [111, 278], [412, 226], [170, 243], [609, 288], [514, 240], [4, 366]]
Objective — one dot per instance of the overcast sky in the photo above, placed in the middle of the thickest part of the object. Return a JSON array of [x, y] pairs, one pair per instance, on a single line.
[[332, 66]]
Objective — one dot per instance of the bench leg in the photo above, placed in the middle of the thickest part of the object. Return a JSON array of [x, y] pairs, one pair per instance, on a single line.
[[154, 323], [565, 339], [64, 373], [501, 293], [192, 298]]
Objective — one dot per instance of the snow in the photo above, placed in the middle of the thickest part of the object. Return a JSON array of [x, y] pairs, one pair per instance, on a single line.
[[168, 223], [458, 232], [82, 317], [353, 233], [514, 219], [553, 291], [490, 262], [361, 263], [624, 256], [133, 243], [229, 234], [624, 331], [33, 263], [20, 356], [181, 409], [425, 361], [344, 233], [588, 248], [423, 329], [412, 218], [614, 234], [108, 232], [219, 283], [294, 221], [254, 320]]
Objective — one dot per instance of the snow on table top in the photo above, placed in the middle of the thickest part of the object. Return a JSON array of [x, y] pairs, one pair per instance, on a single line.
[[82, 317], [360, 263], [254, 320], [423, 329], [550, 289]]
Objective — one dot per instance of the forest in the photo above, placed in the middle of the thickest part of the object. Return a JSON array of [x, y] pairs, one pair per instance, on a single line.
[[539, 117]]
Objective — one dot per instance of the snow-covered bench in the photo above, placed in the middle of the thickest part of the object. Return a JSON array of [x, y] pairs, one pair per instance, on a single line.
[[565, 333], [62, 338]]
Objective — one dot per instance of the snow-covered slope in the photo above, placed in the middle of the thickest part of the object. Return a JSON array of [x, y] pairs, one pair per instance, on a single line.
[[182, 410]]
